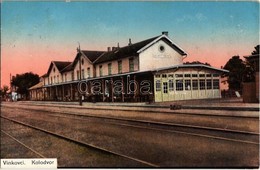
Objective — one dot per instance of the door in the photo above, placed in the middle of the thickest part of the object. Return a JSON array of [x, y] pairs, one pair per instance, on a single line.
[[165, 91]]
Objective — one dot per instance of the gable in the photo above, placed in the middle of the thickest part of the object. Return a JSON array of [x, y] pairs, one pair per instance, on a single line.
[[58, 65], [166, 40]]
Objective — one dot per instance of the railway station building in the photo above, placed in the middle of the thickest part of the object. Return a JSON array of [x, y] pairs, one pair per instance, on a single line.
[[151, 70]]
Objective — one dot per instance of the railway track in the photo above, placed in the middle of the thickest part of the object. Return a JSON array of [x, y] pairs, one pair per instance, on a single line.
[[201, 131], [137, 162], [59, 120], [18, 142]]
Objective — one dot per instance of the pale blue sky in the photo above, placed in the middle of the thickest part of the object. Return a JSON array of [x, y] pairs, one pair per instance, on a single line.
[[116, 21]]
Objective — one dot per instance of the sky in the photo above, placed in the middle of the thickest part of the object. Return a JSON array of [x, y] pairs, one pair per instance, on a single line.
[[35, 33]]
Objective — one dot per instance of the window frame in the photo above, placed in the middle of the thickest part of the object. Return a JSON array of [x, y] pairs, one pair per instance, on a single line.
[[214, 82], [179, 86], [119, 64], [158, 86], [171, 85], [202, 84], [109, 68], [187, 83], [131, 65], [196, 83], [100, 70]]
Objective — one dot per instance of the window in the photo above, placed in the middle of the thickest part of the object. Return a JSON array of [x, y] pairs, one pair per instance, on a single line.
[[57, 78], [77, 74], [88, 72], [164, 76], [194, 75], [171, 85], [194, 84], [216, 84], [157, 75], [100, 70], [170, 75], [202, 84], [72, 76], [131, 64], [165, 87], [51, 80], [202, 75], [65, 77], [215, 75], [158, 85], [82, 61], [109, 69], [209, 84], [208, 75], [186, 75], [179, 85], [120, 66], [187, 84], [178, 75], [82, 74], [161, 48]]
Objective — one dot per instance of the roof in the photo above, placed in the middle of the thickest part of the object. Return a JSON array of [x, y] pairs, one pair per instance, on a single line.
[[190, 66], [134, 49], [92, 55], [45, 75], [118, 53], [67, 68], [39, 85], [59, 64]]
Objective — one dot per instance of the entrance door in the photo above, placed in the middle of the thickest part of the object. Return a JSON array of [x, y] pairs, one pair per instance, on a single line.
[[165, 91]]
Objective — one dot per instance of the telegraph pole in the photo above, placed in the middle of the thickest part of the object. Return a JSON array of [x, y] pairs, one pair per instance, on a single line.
[[80, 95]]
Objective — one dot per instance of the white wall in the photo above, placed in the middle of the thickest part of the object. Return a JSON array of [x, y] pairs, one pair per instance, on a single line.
[[114, 70], [153, 58], [83, 66], [56, 74]]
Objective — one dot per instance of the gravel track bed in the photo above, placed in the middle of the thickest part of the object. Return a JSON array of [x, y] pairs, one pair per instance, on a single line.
[[68, 153]]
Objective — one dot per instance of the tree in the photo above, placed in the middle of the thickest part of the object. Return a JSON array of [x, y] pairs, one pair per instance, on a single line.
[[251, 65], [256, 51], [236, 68], [4, 90], [24, 81], [197, 62]]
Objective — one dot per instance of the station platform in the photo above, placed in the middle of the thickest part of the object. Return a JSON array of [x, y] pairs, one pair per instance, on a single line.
[[218, 107]]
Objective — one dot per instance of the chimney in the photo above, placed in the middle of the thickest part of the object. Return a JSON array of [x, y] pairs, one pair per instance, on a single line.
[[130, 43], [118, 45], [165, 33], [108, 49]]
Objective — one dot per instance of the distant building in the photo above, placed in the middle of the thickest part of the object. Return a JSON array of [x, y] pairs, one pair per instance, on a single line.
[[150, 70]]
